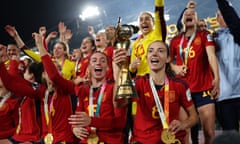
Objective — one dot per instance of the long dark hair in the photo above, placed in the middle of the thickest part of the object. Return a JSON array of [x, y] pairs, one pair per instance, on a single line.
[[36, 69], [168, 70]]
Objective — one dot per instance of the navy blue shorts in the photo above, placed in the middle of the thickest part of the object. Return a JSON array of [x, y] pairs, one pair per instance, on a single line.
[[202, 98]]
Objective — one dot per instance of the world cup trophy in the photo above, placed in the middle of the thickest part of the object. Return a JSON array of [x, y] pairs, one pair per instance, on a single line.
[[125, 88]]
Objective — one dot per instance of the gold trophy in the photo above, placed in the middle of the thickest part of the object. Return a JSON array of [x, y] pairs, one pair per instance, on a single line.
[[125, 88]]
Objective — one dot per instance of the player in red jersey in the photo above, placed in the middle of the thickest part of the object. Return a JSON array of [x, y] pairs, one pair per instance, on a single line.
[[195, 61], [101, 43], [162, 85], [96, 114], [27, 124], [81, 65], [8, 113], [54, 92]]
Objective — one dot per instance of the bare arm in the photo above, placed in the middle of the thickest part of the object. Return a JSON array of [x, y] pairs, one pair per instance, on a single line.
[[214, 66], [14, 34], [177, 125]]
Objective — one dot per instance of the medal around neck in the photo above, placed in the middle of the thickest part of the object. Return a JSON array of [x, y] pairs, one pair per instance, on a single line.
[[169, 138], [93, 139], [48, 139]]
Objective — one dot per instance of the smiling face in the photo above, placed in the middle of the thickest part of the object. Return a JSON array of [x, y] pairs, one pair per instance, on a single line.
[[98, 66], [87, 45], [59, 50], [12, 50], [101, 40], [189, 18], [145, 23], [157, 56]]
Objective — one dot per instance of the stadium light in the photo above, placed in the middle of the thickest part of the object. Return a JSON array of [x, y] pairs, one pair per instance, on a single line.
[[89, 12]]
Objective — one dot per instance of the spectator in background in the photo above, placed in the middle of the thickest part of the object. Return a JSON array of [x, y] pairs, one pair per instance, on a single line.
[[228, 54]]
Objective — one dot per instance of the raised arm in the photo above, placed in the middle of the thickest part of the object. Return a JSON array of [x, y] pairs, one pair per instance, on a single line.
[[65, 34], [62, 84], [16, 83], [231, 18], [160, 23], [11, 30]]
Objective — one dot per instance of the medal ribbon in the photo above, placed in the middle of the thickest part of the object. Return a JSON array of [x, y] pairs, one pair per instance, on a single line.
[[98, 102], [20, 115], [185, 58], [77, 64], [47, 112], [164, 114]]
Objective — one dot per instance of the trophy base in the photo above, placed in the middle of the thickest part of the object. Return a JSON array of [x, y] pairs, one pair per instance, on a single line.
[[126, 92]]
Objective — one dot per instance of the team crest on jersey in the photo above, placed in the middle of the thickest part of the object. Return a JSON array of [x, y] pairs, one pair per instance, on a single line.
[[147, 94], [172, 96], [139, 51], [197, 41]]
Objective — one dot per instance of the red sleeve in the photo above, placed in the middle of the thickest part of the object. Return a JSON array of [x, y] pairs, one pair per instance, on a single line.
[[208, 38], [13, 67], [16, 67], [118, 121], [184, 93], [81, 97], [65, 86], [16, 84]]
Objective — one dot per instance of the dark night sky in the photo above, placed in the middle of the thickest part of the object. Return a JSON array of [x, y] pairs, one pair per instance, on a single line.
[[28, 15]]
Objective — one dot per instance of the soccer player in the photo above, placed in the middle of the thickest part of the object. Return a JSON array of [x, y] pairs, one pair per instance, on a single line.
[[138, 62], [194, 60], [96, 118], [159, 89]]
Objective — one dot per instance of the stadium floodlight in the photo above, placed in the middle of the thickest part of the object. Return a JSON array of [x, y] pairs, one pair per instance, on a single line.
[[89, 12]]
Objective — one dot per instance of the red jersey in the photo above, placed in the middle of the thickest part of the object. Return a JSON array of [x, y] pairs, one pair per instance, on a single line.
[[28, 124], [109, 52], [81, 68], [147, 126], [8, 117], [62, 106], [111, 121], [199, 75]]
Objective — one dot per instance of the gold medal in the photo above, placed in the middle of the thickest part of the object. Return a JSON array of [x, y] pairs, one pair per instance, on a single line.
[[93, 139], [169, 138], [48, 139]]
